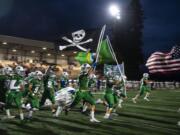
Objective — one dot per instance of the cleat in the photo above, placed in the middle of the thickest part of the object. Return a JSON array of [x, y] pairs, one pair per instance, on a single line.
[[134, 100], [146, 99], [94, 120], [106, 116]]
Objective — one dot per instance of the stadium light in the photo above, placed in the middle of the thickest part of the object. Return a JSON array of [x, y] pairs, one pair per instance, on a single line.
[[30, 61], [14, 50], [32, 51], [44, 48], [4, 43], [114, 11]]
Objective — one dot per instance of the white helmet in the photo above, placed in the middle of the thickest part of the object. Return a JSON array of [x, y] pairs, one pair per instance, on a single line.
[[118, 78], [8, 71], [38, 74], [85, 67], [65, 74], [20, 70], [145, 75], [109, 74]]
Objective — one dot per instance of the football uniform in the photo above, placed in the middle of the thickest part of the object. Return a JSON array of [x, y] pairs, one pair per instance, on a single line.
[[14, 93], [120, 90], [27, 80], [83, 93], [64, 82], [109, 96], [144, 86], [49, 90], [34, 93]]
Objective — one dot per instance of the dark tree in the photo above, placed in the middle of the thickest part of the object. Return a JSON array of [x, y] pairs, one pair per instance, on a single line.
[[127, 39]]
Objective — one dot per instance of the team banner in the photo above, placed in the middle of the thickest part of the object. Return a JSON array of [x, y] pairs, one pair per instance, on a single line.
[[114, 69]]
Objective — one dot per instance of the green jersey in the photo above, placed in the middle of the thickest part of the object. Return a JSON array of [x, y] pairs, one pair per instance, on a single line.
[[36, 86], [83, 81], [144, 81], [27, 80], [109, 86], [92, 82], [15, 82], [51, 83]]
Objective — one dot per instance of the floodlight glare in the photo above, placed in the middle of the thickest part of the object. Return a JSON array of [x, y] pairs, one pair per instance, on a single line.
[[114, 10], [118, 17]]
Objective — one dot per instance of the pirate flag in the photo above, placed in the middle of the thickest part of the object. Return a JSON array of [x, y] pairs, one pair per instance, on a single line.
[[80, 40]]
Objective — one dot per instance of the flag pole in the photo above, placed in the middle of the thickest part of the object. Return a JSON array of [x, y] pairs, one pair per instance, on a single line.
[[114, 55], [99, 42]]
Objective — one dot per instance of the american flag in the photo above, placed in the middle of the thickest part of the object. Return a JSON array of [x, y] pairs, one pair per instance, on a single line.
[[160, 62]]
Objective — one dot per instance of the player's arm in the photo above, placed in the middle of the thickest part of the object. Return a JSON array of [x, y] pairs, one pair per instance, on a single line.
[[22, 85], [91, 70], [30, 88]]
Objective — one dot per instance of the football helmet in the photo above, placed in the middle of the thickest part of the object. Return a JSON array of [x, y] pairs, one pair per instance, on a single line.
[[65, 74], [38, 74], [85, 67], [145, 75], [20, 70], [8, 70]]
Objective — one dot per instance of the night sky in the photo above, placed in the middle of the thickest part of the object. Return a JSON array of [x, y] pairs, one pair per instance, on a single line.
[[48, 19]]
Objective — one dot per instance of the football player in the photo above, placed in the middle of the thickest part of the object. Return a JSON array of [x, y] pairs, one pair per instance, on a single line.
[[49, 90], [83, 93], [15, 90], [35, 85], [144, 88]]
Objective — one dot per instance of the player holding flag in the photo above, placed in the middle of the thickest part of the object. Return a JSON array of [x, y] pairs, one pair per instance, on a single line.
[[83, 93]]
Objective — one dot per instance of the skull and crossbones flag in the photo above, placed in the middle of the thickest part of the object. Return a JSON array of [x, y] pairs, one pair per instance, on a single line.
[[82, 40]]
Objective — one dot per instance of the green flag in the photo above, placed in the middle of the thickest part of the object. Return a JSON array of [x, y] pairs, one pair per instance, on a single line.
[[105, 55], [84, 57]]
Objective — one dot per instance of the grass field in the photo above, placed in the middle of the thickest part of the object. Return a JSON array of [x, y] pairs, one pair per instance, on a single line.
[[158, 117]]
